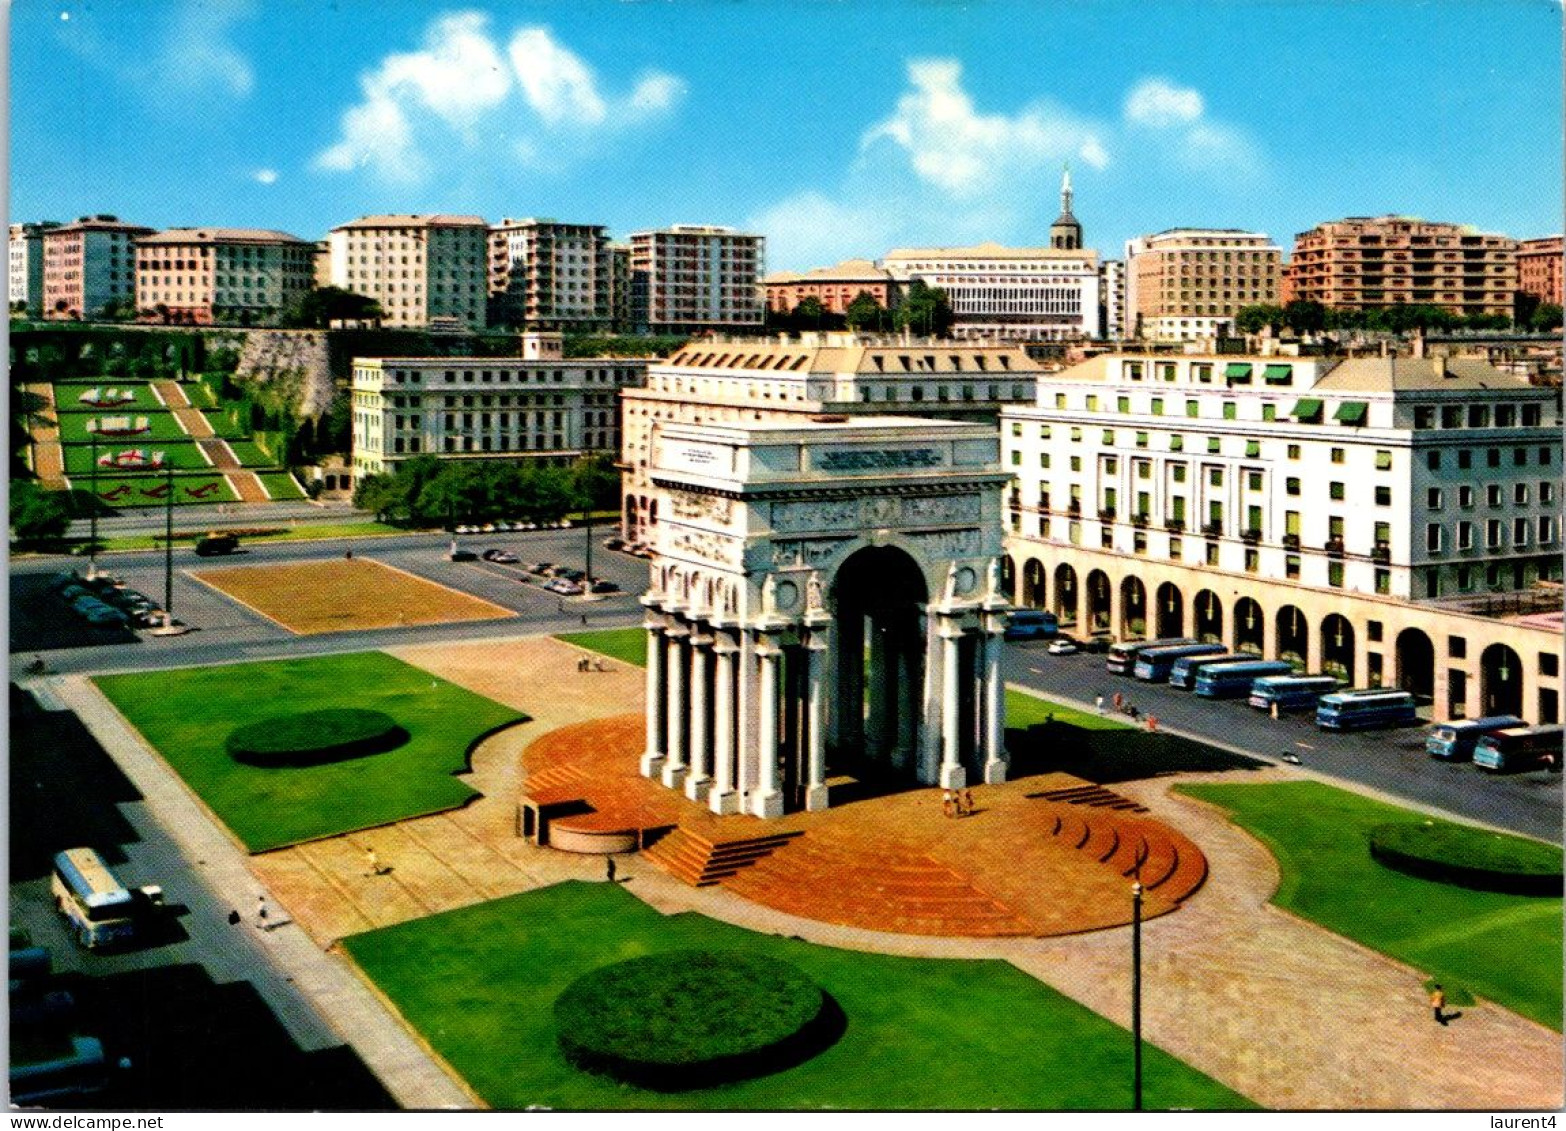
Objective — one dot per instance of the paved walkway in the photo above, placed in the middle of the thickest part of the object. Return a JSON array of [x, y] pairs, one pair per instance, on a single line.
[[348, 1006], [44, 423]]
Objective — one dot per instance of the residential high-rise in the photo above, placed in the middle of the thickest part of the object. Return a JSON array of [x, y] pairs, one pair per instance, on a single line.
[[619, 255], [1348, 515], [693, 278], [424, 270], [834, 287], [1112, 299], [25, 255], [545, 275], [89, 265], [202, 275], [1008, 293], [1363, 263], [1186, 284], [1539, 268]]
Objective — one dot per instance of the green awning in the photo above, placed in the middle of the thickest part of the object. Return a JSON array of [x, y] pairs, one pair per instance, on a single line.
[[1237, 372], [1308, 409], [1351, 412], [1279, 375]]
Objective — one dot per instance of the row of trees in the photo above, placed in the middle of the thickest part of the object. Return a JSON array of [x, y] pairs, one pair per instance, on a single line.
[[1307, 317], [428, 491], [924, 310]]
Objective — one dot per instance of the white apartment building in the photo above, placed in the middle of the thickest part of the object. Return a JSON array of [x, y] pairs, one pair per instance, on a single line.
[[832, 374], [198, 275], [425, 270], [1184, 284], [1008, 293], [538, 406], [1296, 506], [693, 278], [1112, 299], [547, 275], [88, 265], [24, 247]]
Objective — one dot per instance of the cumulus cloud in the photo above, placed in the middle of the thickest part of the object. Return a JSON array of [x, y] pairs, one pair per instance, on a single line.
[[264, 176], [1159, 103], [951, 144], [462, 80], [1175, 119], [191, 53]]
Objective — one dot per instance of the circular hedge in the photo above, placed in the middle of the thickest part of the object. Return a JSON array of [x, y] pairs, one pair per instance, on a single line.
[[1468, 857], [694, 1018], [311, 738]]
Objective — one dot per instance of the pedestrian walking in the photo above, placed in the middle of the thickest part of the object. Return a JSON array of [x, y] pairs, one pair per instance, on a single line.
[[1438, 1003], [1098, 702], [1133, 712], [372, 863], [946, 802], [609, 870], [233, 917], [1152, 724], [967, 802], [1119, 702], [584, 618], [261, 911]]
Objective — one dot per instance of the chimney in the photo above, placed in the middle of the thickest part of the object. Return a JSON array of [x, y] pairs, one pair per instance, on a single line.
[[1419, 344], [1440, 366]]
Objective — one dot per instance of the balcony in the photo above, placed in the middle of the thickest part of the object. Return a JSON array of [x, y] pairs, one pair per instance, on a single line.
[[1074, 508], [1174, 525], [1213, 529], [1291, 541], [1334, 547], [1106, 514], [1381, 552], [1139, 521], [1251, 536]]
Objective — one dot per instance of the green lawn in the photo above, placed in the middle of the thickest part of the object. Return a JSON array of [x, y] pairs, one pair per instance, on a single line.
[[479, 985], [183, 454], [1024, 709], [281, 485], [67, 394], [149, 489], [160, 423], [187, 715], [227, 423], [1506, 948], [625, 644], [251, 454], [313, 532]]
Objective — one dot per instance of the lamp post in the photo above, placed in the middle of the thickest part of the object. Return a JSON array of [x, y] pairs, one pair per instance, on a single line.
[[92, 512], [1136, 996], [168, 542]]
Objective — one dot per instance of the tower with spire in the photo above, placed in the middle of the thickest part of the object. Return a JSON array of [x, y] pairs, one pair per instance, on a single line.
[[1065, 234]]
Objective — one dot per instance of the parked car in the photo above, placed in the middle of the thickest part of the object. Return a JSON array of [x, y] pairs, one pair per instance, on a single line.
[[504, 557], [541, 568], [216, 544], [570, 574], [562, 586], [100, 615], [1063, 646], [605, 587], [463, 556]]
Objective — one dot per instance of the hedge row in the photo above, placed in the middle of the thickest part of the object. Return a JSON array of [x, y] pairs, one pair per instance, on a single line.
[[1469, 857], [312, 738]]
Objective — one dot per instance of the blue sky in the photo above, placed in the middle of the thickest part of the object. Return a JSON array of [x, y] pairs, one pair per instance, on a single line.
[[834, 129]]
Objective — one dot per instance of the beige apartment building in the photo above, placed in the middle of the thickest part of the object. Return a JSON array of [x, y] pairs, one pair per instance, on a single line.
[[1363, 263], [24, 247], [424, 270], [1539, 268], [834, 287], [88, 265], [693, 278], [546, 275], [1187, 283], [202, 275]]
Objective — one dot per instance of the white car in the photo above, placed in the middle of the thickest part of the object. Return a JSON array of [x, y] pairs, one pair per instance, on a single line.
[[1062, 647]]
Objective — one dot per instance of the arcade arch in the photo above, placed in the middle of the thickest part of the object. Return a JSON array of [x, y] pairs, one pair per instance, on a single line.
[[1169, 611], [1208, 617], [1500, 681], [1416, 664], [1337, 647], [1250, 627]]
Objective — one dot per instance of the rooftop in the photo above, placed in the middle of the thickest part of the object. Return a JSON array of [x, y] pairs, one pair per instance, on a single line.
[[988, 250], [411, 220], [850, 270], [1410, 374], [219, 235]]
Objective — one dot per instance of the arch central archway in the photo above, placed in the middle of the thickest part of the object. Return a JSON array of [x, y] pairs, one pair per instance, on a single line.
[[1416, 664], [1170, 611], [1500, 681], [879, 663]]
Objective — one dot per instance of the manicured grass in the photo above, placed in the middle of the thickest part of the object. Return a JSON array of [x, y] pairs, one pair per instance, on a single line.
[[148, 489], [1506, 948], [161, 426], [1470, 857], [628, 645], [251, 454], [1024, 710], [309, 738], [281, 485], [183, 454], [187, 714], [923, 1034], [227, 423], [313, 532], [66, 393]]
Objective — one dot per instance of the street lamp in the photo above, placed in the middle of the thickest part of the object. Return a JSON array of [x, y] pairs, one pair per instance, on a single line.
[[1136, 996], [92, 512]]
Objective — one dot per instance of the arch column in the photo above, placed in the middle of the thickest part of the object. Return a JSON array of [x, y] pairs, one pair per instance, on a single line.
[[723, 798], [653, 752], [674, 751], [699, 781], [815, 723], [994, 704], [952, 774], [767, 800]]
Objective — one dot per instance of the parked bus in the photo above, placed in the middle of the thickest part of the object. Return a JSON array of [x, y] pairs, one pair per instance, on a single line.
[[1031, 624], [1290, 692], [1230, 681], [1455, 741], [1520, 748], [77, 1068], [1153, 664], [1183, 672], [1122, 656], [100, 909], [1354, 710]]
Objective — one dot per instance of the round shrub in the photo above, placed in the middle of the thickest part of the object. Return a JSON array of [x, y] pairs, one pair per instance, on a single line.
[[1468, 857], [312, 738], [694, 1018]]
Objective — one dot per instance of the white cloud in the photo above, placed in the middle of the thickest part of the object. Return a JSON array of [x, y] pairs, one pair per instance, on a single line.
[[198, 53], [811, 229], [461, 87], [952, 145], [264, 176], [1159, 103]]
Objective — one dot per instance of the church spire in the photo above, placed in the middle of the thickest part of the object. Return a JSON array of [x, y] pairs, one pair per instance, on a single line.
[[1065, 189], [1065, 234]]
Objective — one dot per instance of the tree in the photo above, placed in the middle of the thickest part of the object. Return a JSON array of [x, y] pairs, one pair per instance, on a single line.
[[865, 313], [37, 514], [1254, 319], [1305, 316], [809, 313], [322, 306], [1546, 318], [925, 310]]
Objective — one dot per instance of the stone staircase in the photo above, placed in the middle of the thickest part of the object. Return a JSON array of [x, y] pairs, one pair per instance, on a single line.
[[700, 862], [1144, 850], [1094, 795]]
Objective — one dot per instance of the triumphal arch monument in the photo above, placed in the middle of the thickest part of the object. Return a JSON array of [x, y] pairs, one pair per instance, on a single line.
[[823, 593]]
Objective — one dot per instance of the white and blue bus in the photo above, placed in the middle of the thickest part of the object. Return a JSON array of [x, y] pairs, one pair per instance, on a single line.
[[1455, 741], [1122, 657], [1520, 748], [1290, 692], [1154, 664], [1031, 624], [100, 910], [1231, 681], [1354, 710], [1183, 672]]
